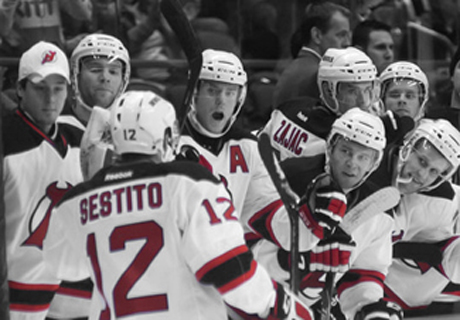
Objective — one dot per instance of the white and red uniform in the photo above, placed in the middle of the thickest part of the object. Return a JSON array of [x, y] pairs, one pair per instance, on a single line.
[[428, 218], [299, 129], [235, 160], [369, 261], [158, 240], [38, 170]]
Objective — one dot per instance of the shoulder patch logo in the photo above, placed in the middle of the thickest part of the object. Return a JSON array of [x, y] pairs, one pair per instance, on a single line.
[[40, 217]]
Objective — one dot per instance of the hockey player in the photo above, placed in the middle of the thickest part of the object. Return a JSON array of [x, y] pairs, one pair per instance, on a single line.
[[101, 70], [161, 239], [346, 78], [405, 89], [355, 148], [41, 163], [231, 154], [427, 248]]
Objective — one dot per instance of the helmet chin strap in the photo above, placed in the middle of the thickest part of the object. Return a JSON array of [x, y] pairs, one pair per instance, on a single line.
[[199, 127], [82, 110]]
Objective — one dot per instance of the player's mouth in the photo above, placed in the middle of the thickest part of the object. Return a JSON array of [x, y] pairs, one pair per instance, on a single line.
[[218, 116], [405, 180]]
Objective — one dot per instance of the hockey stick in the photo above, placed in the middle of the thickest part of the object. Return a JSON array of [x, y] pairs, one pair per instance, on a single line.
[[376, 203], [290, 201], [174, 14]]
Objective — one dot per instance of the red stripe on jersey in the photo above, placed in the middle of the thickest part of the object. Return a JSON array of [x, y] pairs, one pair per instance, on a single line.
[[75, 293], [28, 307], [251, 236], [40, 132], [241, 279], [220, 260], [363, 276], [261, 221], [30, 286]]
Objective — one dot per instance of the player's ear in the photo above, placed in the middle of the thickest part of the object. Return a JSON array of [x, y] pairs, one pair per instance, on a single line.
[[20, 87], [315, 35]]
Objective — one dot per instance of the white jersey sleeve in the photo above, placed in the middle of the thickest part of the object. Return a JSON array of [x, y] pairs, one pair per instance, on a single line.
[[363, 283]]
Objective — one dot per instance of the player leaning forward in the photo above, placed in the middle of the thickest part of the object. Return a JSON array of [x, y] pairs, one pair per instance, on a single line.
[[160, 238], [354, 150], [425, 218]]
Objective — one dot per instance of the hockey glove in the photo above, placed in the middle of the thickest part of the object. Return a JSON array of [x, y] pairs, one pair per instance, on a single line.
[[288, 306], [323, 206], [380, 310], [333, 253], [396, 127], [96, 148], [188, 153]]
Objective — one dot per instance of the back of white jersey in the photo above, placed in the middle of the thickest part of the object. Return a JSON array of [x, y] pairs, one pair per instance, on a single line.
[[147, 238]]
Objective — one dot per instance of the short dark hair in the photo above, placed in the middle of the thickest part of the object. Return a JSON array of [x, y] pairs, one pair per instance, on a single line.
[[361, 32], [317, 15]]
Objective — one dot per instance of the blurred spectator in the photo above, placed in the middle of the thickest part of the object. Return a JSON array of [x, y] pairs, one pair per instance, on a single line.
[[141, 23], [326, 25], [7, 8], [31, 22], [375, 39], [212, 32], [260, 40], [449, 109], [361, 10]]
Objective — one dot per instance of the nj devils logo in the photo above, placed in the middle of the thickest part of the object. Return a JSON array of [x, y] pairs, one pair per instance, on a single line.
[[40, 218], [48, 56]]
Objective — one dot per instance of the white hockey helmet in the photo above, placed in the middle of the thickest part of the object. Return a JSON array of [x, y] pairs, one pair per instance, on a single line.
[[343, 65], [99, 45], [361, 127], [224, 67], [404, 70], [442, 135], [143, 122]]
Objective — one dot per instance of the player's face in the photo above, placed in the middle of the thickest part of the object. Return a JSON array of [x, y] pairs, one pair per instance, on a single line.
[[99, 81], [355, 94], [215, 103], [349, 162], [338, 34], [403, 98], [44, 100], [424, 166], [380, 49]]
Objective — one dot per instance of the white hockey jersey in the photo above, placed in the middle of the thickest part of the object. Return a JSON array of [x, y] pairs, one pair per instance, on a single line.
[[38, 171], [297, 129], [236, 161], [361, 285], [425, 218], [159, 241], [369, 261]]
